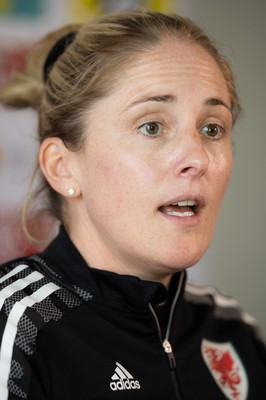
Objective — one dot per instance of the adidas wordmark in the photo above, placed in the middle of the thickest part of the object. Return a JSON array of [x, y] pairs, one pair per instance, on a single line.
[[123, 380]]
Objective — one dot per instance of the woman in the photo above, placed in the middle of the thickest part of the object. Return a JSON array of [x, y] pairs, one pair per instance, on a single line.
[[136, 111]]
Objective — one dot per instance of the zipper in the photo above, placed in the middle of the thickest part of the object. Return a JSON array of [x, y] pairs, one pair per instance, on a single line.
[[165, 342], [171, 357]]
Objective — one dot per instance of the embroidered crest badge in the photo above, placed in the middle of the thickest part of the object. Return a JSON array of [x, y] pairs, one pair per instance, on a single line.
[[226, 368]]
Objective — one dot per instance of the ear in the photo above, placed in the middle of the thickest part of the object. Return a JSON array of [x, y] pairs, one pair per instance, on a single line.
[[55, 163]]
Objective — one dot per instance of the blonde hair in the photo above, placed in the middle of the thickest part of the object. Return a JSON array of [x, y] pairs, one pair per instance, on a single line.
[[86, 72]]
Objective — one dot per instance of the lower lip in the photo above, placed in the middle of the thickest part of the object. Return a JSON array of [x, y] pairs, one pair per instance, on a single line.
[[191, 221]]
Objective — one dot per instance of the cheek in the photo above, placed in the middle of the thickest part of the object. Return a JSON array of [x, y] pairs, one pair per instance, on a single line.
[[130, 172], [222, 173], [111, 183], [228, 164]]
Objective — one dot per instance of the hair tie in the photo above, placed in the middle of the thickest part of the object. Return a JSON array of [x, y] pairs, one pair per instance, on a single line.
[[56, 51]]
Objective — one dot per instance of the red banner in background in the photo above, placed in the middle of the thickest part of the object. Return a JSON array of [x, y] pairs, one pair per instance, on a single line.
[[12, 60], [12, 241]]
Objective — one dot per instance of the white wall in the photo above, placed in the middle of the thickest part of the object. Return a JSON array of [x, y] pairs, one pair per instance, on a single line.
[[236, 260]]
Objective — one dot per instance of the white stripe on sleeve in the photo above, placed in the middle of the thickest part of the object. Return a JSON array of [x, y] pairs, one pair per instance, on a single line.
[[18, 285], [11, 331], [14, 271]]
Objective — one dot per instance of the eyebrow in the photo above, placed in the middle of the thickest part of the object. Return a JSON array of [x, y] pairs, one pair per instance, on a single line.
[[168, 98], [213, 101]]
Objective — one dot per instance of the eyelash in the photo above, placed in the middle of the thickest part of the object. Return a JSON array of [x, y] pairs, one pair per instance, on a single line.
[[220, 130]]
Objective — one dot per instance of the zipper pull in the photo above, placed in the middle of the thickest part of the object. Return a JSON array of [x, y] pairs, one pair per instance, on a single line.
[[168, 350]]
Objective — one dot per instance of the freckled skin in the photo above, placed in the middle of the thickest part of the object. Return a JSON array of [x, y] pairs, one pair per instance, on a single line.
[[126, 176]]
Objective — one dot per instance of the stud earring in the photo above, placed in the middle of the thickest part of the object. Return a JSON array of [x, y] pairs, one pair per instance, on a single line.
[[71, 191]]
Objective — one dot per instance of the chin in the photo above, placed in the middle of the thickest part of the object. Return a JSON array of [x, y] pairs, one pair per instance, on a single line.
[[184, 261]]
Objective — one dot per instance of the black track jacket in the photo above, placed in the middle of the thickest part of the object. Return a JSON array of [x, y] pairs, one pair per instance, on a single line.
[[69, 332]]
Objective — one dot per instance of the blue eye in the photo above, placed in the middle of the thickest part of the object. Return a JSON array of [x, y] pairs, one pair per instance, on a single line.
[[213, 131], [151, 129]]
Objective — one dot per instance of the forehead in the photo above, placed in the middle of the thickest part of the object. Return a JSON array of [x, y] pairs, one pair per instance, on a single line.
[[173, 64]]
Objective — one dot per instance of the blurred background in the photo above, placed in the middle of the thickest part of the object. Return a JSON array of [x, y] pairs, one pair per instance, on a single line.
[[235, 262]]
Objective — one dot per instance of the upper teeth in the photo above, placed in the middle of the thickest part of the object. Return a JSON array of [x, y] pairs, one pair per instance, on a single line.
[[183, 203]]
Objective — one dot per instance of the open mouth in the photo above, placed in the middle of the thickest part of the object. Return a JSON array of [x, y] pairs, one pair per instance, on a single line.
[[184, 208]]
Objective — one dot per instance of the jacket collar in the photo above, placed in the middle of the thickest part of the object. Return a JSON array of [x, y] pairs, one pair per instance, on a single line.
[[70, 268]]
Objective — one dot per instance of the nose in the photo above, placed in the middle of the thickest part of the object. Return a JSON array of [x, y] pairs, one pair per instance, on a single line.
[[191, 157]]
